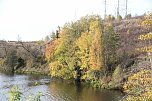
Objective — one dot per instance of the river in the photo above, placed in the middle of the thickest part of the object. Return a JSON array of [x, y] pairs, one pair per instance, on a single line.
[[52, 89]]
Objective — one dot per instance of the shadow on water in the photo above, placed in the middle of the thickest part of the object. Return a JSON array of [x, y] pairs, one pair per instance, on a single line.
[[8, 74], [64, 91]]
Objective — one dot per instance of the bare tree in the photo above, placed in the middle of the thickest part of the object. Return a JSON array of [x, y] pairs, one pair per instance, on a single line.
[[27, 48]]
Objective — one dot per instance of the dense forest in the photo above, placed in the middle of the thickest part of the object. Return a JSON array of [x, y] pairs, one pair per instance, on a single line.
[[110, 54]]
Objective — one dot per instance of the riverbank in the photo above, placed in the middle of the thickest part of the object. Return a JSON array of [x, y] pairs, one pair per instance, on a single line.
[[33, 70], [101, 84]]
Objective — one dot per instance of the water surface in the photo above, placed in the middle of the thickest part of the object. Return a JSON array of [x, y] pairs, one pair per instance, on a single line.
[[52, 89]]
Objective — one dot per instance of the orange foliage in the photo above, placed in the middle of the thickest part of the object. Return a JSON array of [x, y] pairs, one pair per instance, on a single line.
[[50, 49], [96, 50]]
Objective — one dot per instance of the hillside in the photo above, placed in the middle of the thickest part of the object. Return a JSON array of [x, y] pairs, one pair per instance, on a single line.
[[129, 31], [16, 55], [8, 45]]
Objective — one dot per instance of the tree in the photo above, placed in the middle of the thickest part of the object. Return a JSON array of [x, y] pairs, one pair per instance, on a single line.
[[84, 22], [11, 59], [62, 63], [128, 16], [53, 36], [119, 17], [111, 45], [97, 47], [74, 46], [28, 48], [110, 18], [47, 38], [84, 43], [50, 50]]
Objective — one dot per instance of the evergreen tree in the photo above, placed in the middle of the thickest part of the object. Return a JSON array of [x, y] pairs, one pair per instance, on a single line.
[[111, 41]]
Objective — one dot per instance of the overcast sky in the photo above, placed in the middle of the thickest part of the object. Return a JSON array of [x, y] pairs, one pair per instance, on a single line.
[[34, 19]]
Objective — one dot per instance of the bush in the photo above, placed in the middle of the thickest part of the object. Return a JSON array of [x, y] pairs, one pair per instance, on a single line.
[[11, 59], [117, 74], [119, 17], [15, 94], [110, 18], [2, 62], [139, 86]]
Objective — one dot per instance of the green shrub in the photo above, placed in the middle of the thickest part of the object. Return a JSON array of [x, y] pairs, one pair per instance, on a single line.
[[117, 74], [15, 94], [119, 17], [2, 62]]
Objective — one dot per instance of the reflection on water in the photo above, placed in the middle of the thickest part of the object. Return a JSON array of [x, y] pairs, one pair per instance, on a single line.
[[53, 90], [78, 92]]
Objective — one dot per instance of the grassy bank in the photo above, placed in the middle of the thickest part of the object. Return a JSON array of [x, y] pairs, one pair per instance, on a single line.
[[33, 70]]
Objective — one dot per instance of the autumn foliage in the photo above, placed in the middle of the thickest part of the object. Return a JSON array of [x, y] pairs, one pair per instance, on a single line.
[[139, 86], [50, 48], [103, 57], [80, 41]]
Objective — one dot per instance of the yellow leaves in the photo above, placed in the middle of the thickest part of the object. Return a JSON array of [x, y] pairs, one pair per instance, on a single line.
[[139, 86], [95, 26], [145, 49], [147, 23], [145, 37], [148, 94], [142, 76], [91, 46], [54, 68], [84, 41], [57, 69], [96, 50], [83, 45]]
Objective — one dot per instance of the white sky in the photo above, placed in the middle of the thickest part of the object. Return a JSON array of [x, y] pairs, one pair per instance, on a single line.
[[34, 19]]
